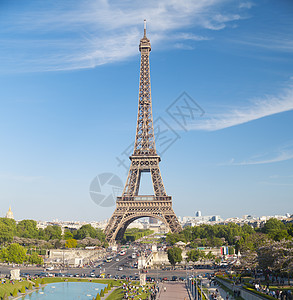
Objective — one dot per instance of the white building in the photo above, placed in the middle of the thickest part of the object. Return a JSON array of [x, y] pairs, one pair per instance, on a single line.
[[9, 214]]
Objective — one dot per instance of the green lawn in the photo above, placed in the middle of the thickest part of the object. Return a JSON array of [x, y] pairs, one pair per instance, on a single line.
[[116, 295], [70, 279], [9, 287], [119, 293]]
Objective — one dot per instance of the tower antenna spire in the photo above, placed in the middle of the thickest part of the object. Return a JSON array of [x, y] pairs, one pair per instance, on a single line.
[[144, 27]]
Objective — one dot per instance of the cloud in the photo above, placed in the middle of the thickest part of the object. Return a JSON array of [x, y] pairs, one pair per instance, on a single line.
[[74, 34], [279, 157], [259, 108], [183, 46], [190, 36], [247, 5], [275, 41], [284, 153]]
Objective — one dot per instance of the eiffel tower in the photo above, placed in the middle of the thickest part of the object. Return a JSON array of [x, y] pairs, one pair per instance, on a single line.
[[131, 206]]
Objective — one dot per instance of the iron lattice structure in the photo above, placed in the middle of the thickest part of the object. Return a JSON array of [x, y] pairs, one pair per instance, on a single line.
[[130, 206]]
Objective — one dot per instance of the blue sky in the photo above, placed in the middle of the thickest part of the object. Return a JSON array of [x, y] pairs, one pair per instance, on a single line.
[[69, 91]]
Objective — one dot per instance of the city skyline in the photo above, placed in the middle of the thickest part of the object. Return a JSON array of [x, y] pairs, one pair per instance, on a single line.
[[69, 99]]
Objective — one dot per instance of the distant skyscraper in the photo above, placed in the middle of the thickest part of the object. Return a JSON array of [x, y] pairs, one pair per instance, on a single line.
[[9, 214], [198, 213]]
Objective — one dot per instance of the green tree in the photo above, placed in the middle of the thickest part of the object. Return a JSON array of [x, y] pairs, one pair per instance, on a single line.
[[15, 253], [195, 255], [174, 255], [34, 258], [5, 297], [30, 286], [14, 293], [27, 229], [42, 235], [67, 235], [37, 284], [22, 290], [98, 297], [173, 238], [102, 294], [9, 222], [57, 244], [71, 243], [7, 230], [85, 231], [53, 232], [210, 255], [275, 229], [101, 235], [273, 224], [6, 235]]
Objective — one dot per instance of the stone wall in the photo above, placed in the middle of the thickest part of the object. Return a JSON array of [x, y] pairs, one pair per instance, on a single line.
[[243, 293], [63, 255]]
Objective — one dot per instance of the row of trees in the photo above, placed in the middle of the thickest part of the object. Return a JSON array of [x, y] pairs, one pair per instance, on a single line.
[[268, 248], [230, 234], [27, 229], [15, 253], [133, 234], [194, 255]]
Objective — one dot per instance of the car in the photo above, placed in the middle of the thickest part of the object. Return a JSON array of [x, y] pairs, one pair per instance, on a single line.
[[117, 259], [174, 278], [120, 268]]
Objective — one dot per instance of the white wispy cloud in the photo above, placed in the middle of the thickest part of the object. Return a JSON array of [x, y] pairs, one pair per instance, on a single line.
[[278, 157], [74, 34], [259, 108], [246, 5], [281, 154], [190, 36], [274, 41]]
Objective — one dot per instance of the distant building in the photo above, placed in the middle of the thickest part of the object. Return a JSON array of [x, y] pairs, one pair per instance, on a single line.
[[192, 221], [198, 213], [9, 214], [153, 220]]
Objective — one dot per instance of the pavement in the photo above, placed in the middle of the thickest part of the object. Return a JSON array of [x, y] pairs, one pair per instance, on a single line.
[[174, 290]]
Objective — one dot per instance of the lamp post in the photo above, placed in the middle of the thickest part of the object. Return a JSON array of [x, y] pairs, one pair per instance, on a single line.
[[196, 291], [201, 289]]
